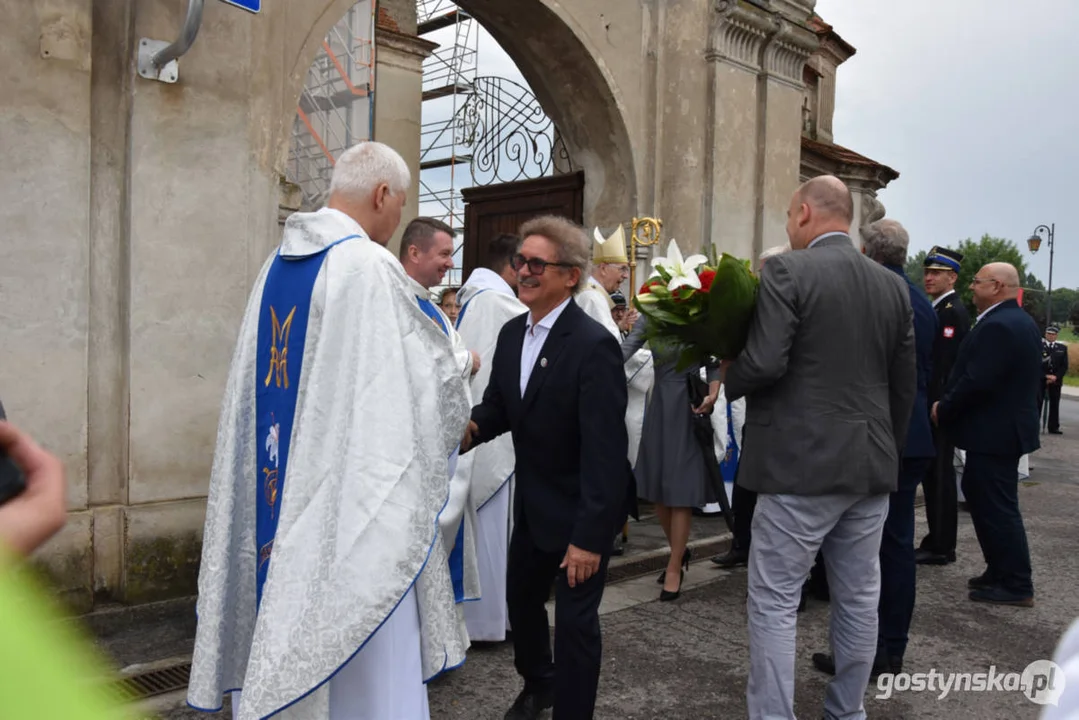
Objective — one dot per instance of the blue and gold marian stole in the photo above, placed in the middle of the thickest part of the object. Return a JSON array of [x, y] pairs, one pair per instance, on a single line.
[[432, 312], [729, 465], [464, 308], [282, 335], [457, 555]]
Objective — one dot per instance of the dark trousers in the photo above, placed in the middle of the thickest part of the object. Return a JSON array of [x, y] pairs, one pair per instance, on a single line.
[[1052, 393], [897, 566], [743, 503], [574, 671], [941, 499], [991, 487]]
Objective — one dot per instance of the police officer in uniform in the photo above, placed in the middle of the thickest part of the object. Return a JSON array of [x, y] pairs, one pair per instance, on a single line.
[[1055, 364], [941, 497]]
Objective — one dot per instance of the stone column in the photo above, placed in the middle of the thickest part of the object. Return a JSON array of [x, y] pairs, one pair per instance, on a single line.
[[398, 106], [755, 70]]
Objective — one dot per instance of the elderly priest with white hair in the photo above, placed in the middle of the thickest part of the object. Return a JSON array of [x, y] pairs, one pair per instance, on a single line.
[[324, 590]]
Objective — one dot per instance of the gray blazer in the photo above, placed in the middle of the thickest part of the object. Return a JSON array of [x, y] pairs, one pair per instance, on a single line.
[[828, 373]]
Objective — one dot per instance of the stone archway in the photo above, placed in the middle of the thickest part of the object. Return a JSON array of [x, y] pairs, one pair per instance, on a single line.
[[575, 91]]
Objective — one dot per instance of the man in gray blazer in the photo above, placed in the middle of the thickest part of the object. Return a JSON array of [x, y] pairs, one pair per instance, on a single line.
[[829, 376]]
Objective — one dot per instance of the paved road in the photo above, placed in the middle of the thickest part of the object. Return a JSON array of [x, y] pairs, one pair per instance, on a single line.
[[687, 660]]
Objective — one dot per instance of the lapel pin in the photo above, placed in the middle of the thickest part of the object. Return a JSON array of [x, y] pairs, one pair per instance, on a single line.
[[543, 362]]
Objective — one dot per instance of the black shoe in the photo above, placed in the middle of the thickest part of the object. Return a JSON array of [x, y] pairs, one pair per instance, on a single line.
[[1000, 596], [1055, 432], [735, 557], [881, 665], [982, 582], [529, 704], [931, 557], [685, 564], [668, 595]]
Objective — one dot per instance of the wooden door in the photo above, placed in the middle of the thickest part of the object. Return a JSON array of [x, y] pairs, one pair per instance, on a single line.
[[503, 208]]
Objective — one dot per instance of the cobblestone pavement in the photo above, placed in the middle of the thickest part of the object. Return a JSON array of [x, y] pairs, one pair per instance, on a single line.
[[688, 659]]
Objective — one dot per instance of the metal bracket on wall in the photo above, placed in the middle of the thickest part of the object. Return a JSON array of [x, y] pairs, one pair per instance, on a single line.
[[158, 60]]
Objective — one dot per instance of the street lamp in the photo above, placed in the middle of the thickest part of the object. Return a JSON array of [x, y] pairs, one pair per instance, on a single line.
[[1034, 243]]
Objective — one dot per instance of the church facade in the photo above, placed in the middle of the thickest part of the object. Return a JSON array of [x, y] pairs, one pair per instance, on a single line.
[[138, 212]]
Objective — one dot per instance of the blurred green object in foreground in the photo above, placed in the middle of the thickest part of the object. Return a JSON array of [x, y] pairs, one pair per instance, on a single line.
[[48, 671]]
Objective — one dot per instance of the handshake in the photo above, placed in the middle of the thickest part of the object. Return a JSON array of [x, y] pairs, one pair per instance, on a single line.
[[470, 431]]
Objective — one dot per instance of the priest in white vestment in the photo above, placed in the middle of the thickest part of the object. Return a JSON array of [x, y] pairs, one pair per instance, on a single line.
[[488, 300], [324, 588], [426, 255]]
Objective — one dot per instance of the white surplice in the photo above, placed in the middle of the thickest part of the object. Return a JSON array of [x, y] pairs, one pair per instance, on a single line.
[[380, 408], [487, 303]]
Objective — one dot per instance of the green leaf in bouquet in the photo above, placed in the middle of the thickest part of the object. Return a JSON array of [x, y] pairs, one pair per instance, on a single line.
[[731, 302], [689, 357], [663, 316]]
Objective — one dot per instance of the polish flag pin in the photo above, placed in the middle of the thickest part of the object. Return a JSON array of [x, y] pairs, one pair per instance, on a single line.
[[543, 362]]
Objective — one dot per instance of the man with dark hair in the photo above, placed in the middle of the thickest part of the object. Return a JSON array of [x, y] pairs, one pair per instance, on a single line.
[[953, 323], [427, 255], [488, 301], [1055, 365]]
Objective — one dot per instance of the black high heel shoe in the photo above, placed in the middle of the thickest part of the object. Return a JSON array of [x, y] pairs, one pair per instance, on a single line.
[[668, 595], [686, 556]]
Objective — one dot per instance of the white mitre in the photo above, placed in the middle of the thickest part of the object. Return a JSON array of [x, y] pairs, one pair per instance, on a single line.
[[611, 249]]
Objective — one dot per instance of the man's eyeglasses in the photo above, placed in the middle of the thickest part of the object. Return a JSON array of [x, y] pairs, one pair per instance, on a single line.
[[536, 266]]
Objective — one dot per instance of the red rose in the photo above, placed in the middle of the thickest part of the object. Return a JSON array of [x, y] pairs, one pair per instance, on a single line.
[[706, 277], [647, 287]]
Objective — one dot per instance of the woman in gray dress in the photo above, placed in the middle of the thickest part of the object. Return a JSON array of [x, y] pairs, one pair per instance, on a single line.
[[670, 468]]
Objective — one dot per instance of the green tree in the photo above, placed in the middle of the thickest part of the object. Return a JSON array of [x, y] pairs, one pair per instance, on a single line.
[[915, 268]]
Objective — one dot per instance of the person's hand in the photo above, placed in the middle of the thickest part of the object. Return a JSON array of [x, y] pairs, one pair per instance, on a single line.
[[579, 565], [933, 413], [38, 513], [475, 362], [706, 407], [1051, 379], [470, 431]]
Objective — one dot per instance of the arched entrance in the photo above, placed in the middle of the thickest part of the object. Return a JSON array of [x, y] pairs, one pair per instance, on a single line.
[[555, 59]]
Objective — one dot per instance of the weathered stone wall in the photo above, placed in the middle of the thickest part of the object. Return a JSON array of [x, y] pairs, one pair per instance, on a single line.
[[138, 213]]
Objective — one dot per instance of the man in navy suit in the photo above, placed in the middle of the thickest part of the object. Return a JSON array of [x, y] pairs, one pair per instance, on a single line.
[[886, 242], [558, 385], [990, 409]]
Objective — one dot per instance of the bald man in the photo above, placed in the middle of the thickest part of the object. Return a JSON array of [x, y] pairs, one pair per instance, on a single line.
[[990, 409], [829, 376]]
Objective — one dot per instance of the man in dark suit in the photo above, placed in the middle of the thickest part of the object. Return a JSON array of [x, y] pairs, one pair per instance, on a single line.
[[829, 377], [990, 410], [886, 241], [1055, 367], [558, 385], [941, 499]]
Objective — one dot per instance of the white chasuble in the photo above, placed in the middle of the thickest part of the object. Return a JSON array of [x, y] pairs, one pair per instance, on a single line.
[[317, 532]]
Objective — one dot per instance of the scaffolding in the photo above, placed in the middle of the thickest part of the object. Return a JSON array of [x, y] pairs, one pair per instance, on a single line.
[[446, 136], [336, 107]]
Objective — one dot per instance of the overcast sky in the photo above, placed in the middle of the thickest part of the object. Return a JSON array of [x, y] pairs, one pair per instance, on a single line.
[[974, 102]]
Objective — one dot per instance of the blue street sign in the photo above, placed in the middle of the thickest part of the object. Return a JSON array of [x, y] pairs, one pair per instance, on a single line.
[[248, 5]]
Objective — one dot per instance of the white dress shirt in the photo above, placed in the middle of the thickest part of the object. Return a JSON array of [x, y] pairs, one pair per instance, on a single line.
[[940, 299], [987, 311], [535, 337]]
